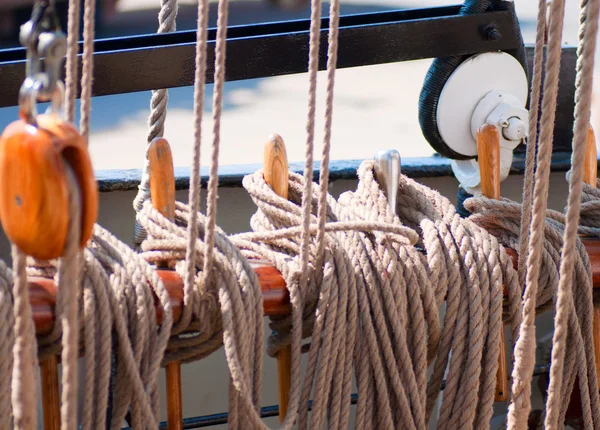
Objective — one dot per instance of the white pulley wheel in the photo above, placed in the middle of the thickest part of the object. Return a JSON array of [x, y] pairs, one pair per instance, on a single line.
[[467, 86]]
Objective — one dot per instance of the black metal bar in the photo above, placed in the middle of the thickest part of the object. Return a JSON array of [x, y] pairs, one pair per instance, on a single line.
[[142, 63], [217, 419]]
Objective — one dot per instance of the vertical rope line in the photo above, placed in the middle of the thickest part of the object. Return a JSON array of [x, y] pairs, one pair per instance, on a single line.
[[525, 346], [68, 298], [71, 64], [87, 74], [69, 264], [298, 294], [158, 113], [334, 18], [217, 107], [583, 96], [156, 122], [534, 110], [313, 68], [24, 386], [194, 192]]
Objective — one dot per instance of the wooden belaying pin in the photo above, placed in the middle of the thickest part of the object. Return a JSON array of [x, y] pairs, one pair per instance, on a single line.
[[34, 195], [387, 174], [162, 193], [276, 175], [488, 151], [590, 176]]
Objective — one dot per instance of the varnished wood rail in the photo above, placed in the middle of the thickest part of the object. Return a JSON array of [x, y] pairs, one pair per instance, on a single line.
[[276, 301]]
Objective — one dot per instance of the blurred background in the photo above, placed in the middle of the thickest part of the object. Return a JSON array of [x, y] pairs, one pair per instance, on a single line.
[[374, 106]]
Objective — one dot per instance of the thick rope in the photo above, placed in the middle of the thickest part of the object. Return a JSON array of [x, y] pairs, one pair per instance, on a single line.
[[334, 18], [24, 385], [313, 68], [502, 219], [583, 97], [469, 331], [158, 113], [229, 308], [525, 347], [213, 182], [7, 340], [119, 290], [589, 223], [194, 192], [372, 290], [534, 108], [68, 305]]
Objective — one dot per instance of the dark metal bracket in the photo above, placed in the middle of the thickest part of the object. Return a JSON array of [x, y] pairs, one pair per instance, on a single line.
[[140, 63]]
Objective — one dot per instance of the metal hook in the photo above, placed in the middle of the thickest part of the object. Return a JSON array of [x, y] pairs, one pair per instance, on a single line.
[[28, 97], [387, 174]]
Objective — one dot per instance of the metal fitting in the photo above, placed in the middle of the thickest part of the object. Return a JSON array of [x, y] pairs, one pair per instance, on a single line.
[[514, 129], [46, 47]]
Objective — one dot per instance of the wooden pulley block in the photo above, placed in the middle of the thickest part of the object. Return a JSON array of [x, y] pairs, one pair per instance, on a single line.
[[34, 192]]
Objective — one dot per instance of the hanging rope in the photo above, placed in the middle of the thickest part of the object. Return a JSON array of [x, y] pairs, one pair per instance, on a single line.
[[583, 98], [158, 114], [525, 345], [118, 287], [24, 384], [71, 83], [502, 219], [221, 305]]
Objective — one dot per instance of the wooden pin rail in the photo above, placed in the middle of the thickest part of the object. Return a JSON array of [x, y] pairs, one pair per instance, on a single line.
[[275, 295], [276, 302]]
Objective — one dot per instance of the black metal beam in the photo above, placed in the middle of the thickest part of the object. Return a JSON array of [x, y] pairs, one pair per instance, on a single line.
[[147, 62]]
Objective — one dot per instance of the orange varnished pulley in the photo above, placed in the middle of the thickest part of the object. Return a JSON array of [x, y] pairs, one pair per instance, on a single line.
[[34, 193]]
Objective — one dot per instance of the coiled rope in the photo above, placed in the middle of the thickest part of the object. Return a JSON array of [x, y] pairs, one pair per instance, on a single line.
[[359, 287]]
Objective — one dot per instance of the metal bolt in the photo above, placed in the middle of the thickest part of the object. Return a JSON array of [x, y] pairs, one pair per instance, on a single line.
[[490, 32], [515, 129]]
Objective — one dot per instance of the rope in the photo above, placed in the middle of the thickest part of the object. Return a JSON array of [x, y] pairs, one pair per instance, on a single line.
[[7, 340], [525, 346], [589, 223], [24, 385], [194, 193], [211, 209], [228, 310], [87, 74], [68, 304], [583, 96], [502, 219], [313, 68], [471, 335], [71, 64], [534, 108], [158, 113], [119, 289], [367, 291]]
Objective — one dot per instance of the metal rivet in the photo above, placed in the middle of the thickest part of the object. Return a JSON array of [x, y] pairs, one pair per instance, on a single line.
[[490, 32]]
